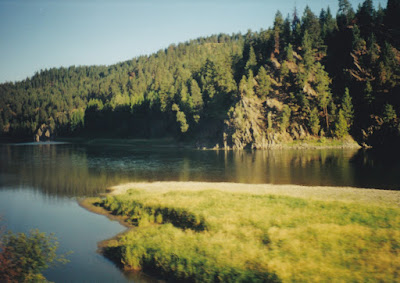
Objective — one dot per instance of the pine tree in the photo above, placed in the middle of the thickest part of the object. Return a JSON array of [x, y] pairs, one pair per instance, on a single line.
[[345, 8], [389, 69], [310, 23], [373, 51], [284, 72], [287, 31], [180, 118], [295, 19], [392, 20], [246, 85], [389, 114], [196, 96], [347, 107], [183, 95], [297, 35], [264, 83], [345, 14], [322, 82], [379, 16], [358, 43], [251, 62], [308, 53], [369, 97], [285, 118], [289, 53], [328, 24], [278, 28], [341, 127], [313, 121], [365, 16]]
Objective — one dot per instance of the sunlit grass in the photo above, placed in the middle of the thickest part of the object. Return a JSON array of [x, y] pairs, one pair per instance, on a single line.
[[212, 235], [323, 142]]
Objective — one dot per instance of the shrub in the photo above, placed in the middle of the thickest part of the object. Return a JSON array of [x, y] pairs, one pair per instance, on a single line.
[[23, 257]]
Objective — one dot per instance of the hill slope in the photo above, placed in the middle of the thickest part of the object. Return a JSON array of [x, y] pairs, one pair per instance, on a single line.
[[313, 76]]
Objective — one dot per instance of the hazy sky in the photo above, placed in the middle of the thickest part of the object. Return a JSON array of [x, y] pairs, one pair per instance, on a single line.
[[40, 34]]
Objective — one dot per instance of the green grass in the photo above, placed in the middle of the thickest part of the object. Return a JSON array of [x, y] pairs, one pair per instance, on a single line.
[[215, 236], [322, 142]]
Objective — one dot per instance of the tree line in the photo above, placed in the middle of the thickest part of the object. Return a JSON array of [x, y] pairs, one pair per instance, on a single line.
[[307, 76]]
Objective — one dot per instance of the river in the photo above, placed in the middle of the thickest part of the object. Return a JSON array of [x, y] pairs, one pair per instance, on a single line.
[[40, 184]]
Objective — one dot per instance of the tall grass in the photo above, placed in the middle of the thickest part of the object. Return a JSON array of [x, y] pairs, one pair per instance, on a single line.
[[215, 236]]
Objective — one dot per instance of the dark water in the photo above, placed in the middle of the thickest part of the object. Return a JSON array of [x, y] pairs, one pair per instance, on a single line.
[[84, 170], [39, 184]]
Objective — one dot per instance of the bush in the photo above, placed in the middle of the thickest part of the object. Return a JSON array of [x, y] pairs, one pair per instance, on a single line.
[[23, 257]]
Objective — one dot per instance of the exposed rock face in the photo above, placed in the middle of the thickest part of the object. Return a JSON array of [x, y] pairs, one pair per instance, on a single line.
[[298, 132], [43, 134]]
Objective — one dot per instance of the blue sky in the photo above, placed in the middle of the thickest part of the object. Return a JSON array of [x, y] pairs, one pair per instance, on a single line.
[[40, 34]]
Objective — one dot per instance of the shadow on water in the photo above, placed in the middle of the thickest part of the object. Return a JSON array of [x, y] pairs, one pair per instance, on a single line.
[[376, 168], [87, 170]]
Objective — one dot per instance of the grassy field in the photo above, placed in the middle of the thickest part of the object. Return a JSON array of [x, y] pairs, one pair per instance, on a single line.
[[205, 232]]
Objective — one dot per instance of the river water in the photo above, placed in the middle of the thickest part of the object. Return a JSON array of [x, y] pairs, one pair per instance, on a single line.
[[41, 182]]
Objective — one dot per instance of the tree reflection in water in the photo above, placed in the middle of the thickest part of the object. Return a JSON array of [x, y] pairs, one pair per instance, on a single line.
[[87, 170]]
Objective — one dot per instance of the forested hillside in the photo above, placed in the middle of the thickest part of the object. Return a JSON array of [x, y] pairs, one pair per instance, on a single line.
[[308, 76]]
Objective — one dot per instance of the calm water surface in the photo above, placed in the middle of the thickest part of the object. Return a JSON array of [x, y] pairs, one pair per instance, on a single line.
[[39, 184]]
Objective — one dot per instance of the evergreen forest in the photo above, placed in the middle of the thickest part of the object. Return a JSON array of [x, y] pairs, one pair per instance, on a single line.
[[307, 77]]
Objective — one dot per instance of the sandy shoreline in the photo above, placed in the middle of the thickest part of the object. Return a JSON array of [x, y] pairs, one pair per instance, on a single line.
[[369, 196]]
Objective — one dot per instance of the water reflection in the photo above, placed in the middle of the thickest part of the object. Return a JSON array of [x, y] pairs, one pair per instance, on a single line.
[[55, 169], [376, 169], [305, 167], [84, 170]]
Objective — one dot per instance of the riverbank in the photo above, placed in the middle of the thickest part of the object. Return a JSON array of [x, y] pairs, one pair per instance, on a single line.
[[225, 232], [308, 143]]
